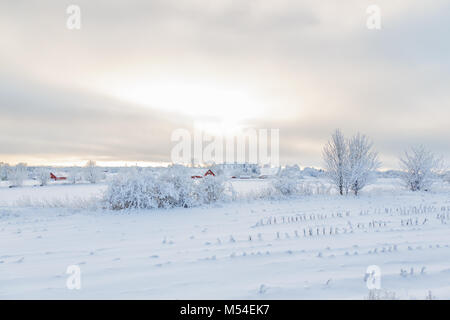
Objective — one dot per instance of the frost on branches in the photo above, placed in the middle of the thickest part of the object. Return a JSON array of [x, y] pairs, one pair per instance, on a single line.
[[335, 155], [43, 176], [92, 172], [420, 167], [362, 163], [350, 163], [172, 188], [17, 174]]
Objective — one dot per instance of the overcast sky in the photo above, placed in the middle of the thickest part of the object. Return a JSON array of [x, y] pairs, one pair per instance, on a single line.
[[136, 70]]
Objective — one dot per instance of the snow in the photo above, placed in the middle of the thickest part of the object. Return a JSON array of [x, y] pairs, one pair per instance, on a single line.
[[228, 250], [54, 192]]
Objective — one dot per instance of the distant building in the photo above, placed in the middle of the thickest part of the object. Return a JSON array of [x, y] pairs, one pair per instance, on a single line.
[[56, 178], [207, 173]]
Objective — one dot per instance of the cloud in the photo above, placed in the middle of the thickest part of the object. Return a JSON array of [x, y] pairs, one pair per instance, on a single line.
[[313, 66], [38, 119]]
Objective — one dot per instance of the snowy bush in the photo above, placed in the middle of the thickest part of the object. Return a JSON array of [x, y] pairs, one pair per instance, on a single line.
[[176, 189], [134, 191], [419, 168], [92, 172], [210, 189], [17, 174], [42, 175], [172, 188], [291, 171], [312, 172], [309, 188], [285, 185], [74, 175], [291, 186], [4, 169]]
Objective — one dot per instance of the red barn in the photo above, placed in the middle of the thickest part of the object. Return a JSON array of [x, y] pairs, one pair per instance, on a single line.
[[52, 176], [209, 173]]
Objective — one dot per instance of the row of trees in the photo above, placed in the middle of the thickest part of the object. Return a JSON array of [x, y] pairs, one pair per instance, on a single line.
[[14, 174], [17, 174], [351, 163]]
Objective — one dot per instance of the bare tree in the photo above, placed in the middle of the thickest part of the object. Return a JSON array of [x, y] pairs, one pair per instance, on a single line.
[[75, 175], [419, 166], [43, 175], [91, 172], [335, 156], [4, 168], [18, 174], [362, 162]]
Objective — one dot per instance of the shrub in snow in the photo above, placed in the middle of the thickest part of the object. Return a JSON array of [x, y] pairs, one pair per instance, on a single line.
[[92, 172], [171, 188], [4, 169], [17, 175], [312, 172], [210, 189], [42, 175], [314, 189], [291, 171], [132, 191], [74, 175], [176, 189], [286, 185], [419, 168]]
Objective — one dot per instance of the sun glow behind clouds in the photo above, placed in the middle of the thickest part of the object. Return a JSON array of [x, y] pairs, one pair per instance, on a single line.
[[195, 99]]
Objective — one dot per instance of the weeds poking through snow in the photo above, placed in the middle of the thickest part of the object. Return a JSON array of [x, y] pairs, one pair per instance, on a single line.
[[262, 289], [430, 296], [379, 294]]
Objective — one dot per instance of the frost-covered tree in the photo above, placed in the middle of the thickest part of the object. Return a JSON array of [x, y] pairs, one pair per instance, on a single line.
[[17, 174], [335, 156], [362, 162], [419, 168], [92, 172], [350, 163], [74, 176], [4, 169], [42, 175]]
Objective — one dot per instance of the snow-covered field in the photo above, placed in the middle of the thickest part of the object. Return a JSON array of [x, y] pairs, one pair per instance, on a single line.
[[315, 247]]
